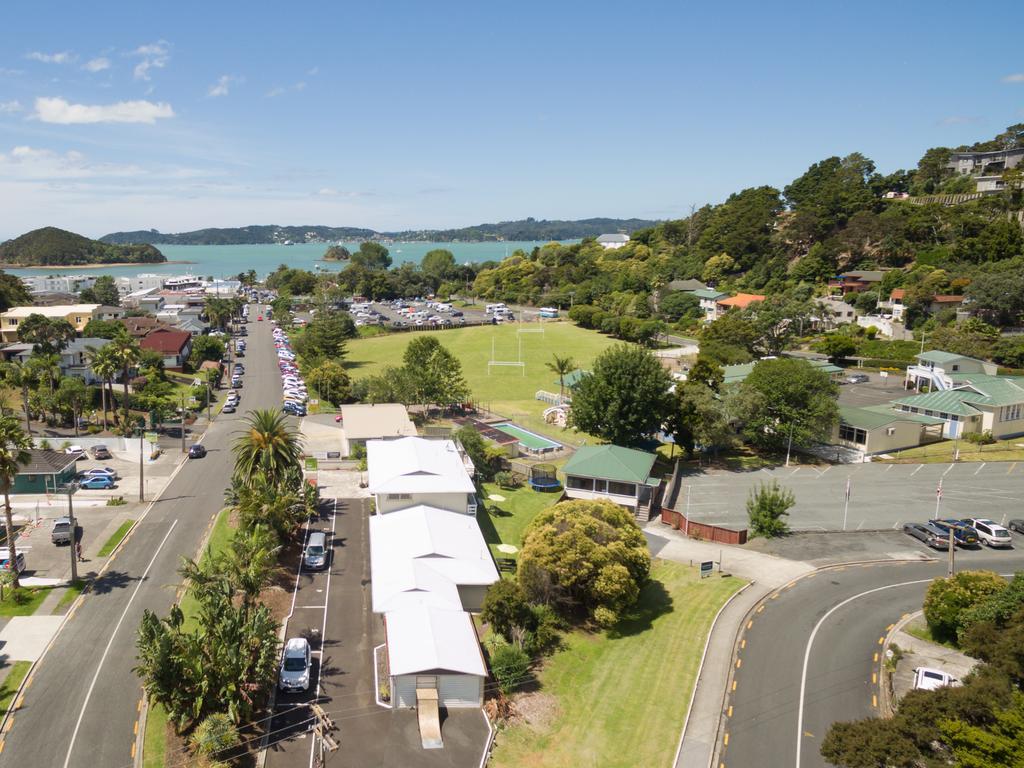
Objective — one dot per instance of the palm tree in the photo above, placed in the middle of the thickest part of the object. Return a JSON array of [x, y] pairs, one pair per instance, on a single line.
[[103, 364], [268, 447], [14, 445], [561, 367], [21, 375], [218, 311], [125, 350]]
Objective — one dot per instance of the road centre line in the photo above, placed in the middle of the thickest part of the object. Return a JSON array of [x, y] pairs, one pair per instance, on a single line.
[[110, 643], [810, 644]]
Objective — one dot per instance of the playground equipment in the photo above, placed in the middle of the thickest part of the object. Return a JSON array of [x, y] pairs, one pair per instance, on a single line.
[[557, 415], [543, 477]]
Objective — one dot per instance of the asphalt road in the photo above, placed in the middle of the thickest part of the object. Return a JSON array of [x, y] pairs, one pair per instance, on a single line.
[[882, 495], [82, 706], [809, 656]]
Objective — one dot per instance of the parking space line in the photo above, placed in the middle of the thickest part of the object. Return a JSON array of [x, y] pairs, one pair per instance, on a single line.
[[948, 469], [1011, 467], [981, 467], [889, 467], [826, 469], [794, 471], [919, 466]]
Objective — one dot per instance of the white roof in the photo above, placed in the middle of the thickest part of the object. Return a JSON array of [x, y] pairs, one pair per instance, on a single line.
[[363, 422], [416, 465], [423, 638], [426, 550], [613, 238], [57, 310]]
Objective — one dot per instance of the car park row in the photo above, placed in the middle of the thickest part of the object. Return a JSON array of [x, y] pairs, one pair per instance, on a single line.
[[971, 532], [294, 393]]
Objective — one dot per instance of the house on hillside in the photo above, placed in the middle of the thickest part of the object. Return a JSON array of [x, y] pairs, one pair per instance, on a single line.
[[361, 422], [613, 241], [832, 313], [985, 163], [739, 301], [74, 358], [674, 286], [709, 298], [411, 471], [611, 472], [173, 345], [856, 281]]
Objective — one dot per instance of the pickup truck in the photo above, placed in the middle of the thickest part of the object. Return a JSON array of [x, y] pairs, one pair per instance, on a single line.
[[61, 533]]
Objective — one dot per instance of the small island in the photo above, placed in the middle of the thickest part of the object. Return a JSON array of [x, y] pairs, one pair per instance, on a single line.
[[53, 247], [337, 253]]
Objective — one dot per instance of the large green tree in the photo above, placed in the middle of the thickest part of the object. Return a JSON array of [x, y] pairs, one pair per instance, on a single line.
[[14, 454], [267, 448], [371, 255], [625, 398], [46, 334], [433, 372]]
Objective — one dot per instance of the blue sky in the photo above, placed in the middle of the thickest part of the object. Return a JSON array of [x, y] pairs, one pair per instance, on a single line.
[[393, 115]]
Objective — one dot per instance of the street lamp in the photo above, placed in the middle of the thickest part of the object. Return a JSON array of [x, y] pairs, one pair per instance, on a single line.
[[70, 489], [789, 445]]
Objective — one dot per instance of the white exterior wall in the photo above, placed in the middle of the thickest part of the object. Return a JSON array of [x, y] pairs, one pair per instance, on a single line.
[[998, 422], [577, 493], [453, 502], [454, 691]]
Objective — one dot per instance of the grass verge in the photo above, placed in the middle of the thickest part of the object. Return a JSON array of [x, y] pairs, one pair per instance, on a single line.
[[620, 697], [919, 628], [33, 597], [503, 522], [71, 592], [116, 538], [942, 453], [11, 683], [154, 747]]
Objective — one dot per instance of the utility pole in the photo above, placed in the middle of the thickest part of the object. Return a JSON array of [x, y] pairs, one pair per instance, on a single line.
[[71, 488], [142, 464], [846, 506], [789, 445], [183, 423], [322, 726]]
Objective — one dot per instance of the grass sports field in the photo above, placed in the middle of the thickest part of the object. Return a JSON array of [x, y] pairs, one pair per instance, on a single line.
[[508, 390]]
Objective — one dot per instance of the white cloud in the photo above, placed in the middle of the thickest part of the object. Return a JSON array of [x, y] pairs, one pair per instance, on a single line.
[[1017, 77], [328, 192], [275, 91], [97, 65], [60, 111], [154, 56], [313, 72], [9, 107], [300, 86], [61, 57], [29, 164], [223, 86]]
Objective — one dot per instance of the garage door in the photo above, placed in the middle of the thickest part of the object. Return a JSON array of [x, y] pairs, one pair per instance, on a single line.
[[460, 691], [403, 688]]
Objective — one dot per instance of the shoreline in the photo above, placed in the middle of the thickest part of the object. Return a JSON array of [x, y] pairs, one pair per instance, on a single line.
[[103, 265]]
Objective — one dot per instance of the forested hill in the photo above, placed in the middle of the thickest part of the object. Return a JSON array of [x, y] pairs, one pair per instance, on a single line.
[[50, 246], [524, 229]]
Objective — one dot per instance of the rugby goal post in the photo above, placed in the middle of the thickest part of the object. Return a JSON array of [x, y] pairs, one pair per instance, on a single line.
[[517, 363]]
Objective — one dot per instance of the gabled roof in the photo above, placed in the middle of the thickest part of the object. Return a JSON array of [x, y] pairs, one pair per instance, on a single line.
[[361, 421], [733, 374], [864, 275], [166, 341], [741, 300], [416, 465], [613, 238], [56, 310], [897, 293], [611, 462], [999, 390], [686, 285], [709, 293], [952, 401], [47, 462], [873, 417], [948, 299], [939, 357], [422, 638]]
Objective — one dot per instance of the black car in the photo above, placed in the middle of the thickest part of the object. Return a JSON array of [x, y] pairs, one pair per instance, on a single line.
[[963, 535], [197, 451], [456, 313], [927, 533], [1017, 524]]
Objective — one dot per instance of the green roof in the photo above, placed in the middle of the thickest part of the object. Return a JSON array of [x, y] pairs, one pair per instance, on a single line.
[[708, 293], [940, 357], [873, 417], [954, 401], [737, 373], [572, 378], [999, 390], [611, 462]]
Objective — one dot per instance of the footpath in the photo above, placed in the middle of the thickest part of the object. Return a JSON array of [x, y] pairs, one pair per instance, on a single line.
[[764, 573]]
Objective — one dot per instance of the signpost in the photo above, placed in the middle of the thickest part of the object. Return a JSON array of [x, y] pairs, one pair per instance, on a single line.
[[311, 464], [706, 568]]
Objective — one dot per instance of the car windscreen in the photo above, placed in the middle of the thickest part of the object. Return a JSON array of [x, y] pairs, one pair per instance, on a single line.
[[294, 663], [314, 551]]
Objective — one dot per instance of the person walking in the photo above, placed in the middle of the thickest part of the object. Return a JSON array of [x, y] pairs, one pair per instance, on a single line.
[[78, 551]]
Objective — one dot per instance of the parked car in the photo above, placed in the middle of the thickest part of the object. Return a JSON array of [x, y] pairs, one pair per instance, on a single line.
[[197, 451], [100, 452], [61, 532], [295, 665], [76, 449], [5, 562], [857, 378], [963, 535], [99, 472], [927, 533], [930, 679], [228, 408], [315, 556], [1016, 524], [97, 483], [991, 533]]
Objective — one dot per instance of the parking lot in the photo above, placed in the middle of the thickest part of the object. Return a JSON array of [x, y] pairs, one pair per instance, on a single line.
[[878, 390]]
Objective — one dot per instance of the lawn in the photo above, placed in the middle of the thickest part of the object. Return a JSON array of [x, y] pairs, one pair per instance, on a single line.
[[154, 746], [622, 696], [10, 685], [220, 537], [70, 594], [503, 522], [506, 390], [115, 539], [942, 453], [33, 597]]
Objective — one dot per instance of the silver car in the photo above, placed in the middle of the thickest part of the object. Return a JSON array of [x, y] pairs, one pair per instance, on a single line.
[[295, 665]]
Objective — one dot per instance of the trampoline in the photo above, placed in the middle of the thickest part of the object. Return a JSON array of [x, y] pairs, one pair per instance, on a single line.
[[543, 477]]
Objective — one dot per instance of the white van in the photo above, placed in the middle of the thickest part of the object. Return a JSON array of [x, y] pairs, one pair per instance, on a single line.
[[499, 308], [442, 307], [358, 308]]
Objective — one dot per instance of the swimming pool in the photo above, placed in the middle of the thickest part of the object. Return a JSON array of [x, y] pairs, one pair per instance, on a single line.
[[530, 441]]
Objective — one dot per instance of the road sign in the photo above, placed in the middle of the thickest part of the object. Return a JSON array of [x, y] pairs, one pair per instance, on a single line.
[[706, 567], [152, 437], [311, 464]]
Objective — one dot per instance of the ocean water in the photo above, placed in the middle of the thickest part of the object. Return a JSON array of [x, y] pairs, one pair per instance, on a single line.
[[229, 260]]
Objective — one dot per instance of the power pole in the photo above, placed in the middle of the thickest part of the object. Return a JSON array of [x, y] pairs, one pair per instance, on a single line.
[[183, 423], [142, 465], [322, 726], [71, 488]]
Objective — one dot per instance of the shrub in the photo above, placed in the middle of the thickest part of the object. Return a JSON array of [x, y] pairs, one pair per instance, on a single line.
[[948, 601], [508, 479], [21, 596], [980, 438], [510, 665], [116, 501], [215, 734], [546, 633], [505, 607], [766, 508]]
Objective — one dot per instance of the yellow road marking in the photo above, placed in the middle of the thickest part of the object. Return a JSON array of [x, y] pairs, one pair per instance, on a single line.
[[135, 728], [876, 657], [889, 628], [729, 713], [725, 739], [133, 750], [775, 595], [743, 643], [739, 663], [734, 685], [21, 700], [874, 678], [750, 624], [874, 701], [760, 608], [2, 743], [138, 707], [881, 640], [808, 733]]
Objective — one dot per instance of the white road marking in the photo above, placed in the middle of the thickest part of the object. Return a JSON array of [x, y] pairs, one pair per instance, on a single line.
[[323, 631], [110, 642], [794, 471], [948, 469], [919, 466], [889, 467], [826, 469], [810, 643], [981, 467]]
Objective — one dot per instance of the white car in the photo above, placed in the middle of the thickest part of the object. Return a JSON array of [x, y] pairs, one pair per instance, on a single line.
[[295, 665], [930, 679], [991, 533]]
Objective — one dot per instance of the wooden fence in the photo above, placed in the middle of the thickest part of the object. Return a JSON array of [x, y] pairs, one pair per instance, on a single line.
[[702, 531]]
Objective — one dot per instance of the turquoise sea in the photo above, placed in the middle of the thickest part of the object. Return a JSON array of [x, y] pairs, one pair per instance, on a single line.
[[229, 260]]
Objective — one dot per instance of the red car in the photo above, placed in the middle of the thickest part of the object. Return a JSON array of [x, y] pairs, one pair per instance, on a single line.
[[260, 318]]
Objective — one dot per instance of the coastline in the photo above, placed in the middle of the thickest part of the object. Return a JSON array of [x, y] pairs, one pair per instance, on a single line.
[[97, 265]]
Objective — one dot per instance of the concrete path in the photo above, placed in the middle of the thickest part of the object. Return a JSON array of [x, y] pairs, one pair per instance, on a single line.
[[26, 637]]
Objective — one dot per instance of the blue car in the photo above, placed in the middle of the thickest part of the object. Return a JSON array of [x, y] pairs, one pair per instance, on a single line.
[[97, 483]]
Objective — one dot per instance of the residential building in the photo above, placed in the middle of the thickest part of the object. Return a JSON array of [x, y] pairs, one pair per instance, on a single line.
[[148, 301], [881, 429], [613, 241], [139, 283], [739, 301], [939, 303], [898, 309], [173, 345], [140, 327], [985, 163], [832, 313], [734, 374], [411, 471], [709, 298], [361, 422], [684, 285], [46, 472], [58, 283], [856, 281], [611, 472], [936, 369], [78, 315]]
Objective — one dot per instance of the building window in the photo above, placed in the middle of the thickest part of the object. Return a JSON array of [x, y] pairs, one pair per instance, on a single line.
[[890, 431], [1010, 412], [579, 483], [622, 489], [399, 496], [853, 434]]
